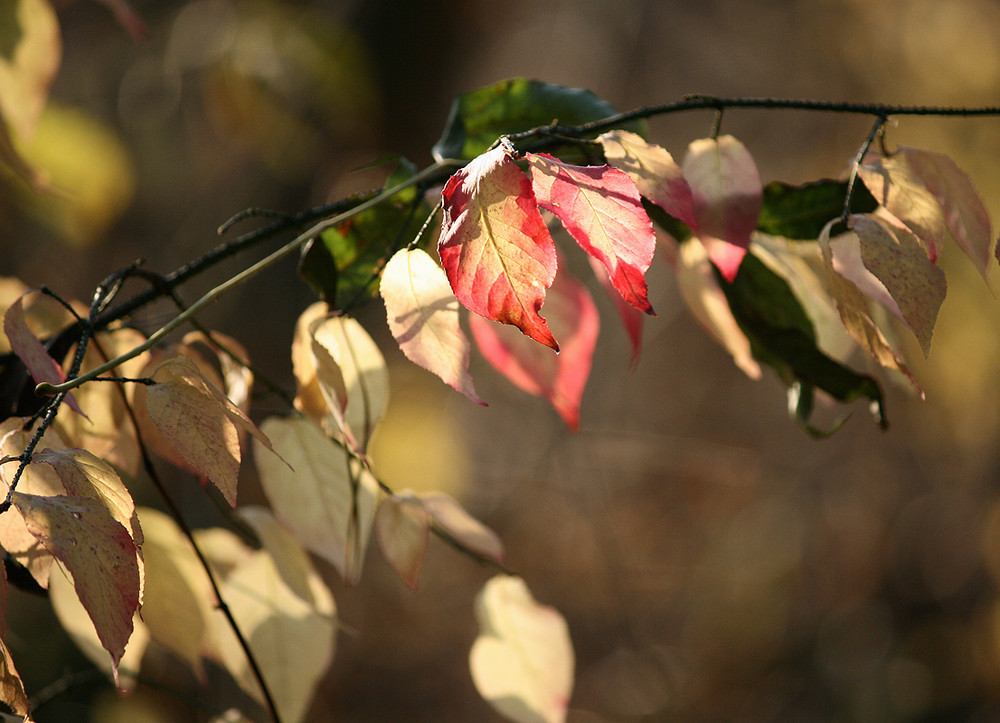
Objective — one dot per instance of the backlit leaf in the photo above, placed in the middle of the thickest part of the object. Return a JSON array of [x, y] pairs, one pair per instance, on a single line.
[[522, 662], [324, 497], [897, 259], [654, 171], [479, 117], [100, 554], [561, 378], [422, 313], [494, 245], [727, 197], [601, 209]]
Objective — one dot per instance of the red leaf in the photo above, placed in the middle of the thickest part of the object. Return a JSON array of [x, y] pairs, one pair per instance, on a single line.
[[25, 344], [494, 246], [727, 196], [559, 379], [601, 208]]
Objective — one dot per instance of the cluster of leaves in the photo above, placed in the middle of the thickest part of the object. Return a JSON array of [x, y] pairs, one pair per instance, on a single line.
[[793, 277]]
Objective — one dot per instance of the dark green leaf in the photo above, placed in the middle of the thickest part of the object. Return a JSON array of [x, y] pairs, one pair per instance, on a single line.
[[800, 212], [343, 264], [782, 336], [479, 117], [678, 229]]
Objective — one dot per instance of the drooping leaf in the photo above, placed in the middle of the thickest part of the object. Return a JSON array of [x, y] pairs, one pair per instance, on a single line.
[[727, 195], [494, 246], [897, 259], [699, 288], [324, 497], [11, 687], [26, 345], [402, 528], [99, 553], [522, 662], [601, 208], [287, 614], [801, 212], [632, 319], [558, 378], [654, 171], [352, 377], [479, 117], [453, 519], [342, 265], [965, 216], [422, 313], [782, 336]]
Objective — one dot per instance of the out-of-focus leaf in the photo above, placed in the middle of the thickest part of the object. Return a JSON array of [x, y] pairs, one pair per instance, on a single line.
[[422, 313], [782, 336], [11, 687], [100, 554], [801, 212], [287, 614], [494, 245], [632, 319], [402, 528], [726, 194], [897, 259], [654, 171], [479, 117], [343, 264], [324, 497], [601, 209], [561, 378], [451, 517], [522, 662]]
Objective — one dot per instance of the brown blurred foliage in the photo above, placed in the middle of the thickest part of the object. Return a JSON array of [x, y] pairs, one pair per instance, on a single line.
[[713, 562]]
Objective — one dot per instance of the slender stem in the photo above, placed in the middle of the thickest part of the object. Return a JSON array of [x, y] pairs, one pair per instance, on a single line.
[[239, 279]]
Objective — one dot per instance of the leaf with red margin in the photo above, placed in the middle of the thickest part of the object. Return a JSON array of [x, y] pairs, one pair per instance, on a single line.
[[727, 196], [494, 246], [654, 171], [25, 344], [422, 313], [559, 379], [100, 555], [601, 208]]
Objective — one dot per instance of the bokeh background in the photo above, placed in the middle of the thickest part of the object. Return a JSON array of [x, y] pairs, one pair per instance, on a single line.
[[713, 562]]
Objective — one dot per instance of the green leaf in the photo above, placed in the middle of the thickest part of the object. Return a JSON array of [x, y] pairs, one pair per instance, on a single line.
[[782, 336], [479, 117], [800, 212], [342, 266]]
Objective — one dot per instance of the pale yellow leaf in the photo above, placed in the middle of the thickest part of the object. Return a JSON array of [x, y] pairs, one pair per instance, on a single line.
[[223, 549], [324, 496], [309, 398], [522, 662], [292, 637], [402, 527], [30, 51]]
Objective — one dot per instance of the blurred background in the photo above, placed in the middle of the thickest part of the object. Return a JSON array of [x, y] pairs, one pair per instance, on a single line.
[[713, 562]]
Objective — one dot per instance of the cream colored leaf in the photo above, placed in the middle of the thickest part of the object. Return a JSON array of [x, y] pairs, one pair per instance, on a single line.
[[402, 527], [309, 398], [896, 258], [292, 637], [522, 662], [100, 554], [223, 549], [77, 623], [703, 297], [11, 687], [323, 497], [29, 58], [459, 524], [179, 602]]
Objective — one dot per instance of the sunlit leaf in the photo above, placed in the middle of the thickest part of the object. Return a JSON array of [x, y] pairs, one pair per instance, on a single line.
[[522, 662], [494, 245], [558, 378], [323, 497], [601, 209], [727, 197], [422, 313], [653, 170]]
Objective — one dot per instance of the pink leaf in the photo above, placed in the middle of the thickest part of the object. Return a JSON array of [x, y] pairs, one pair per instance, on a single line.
[[632, 318], [654, 171], [494, 246], [601, 208], [29, 349], [423, 317], [727, 197], [559, 379]]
